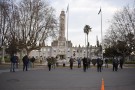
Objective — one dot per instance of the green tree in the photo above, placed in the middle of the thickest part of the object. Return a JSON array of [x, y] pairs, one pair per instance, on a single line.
[[120, 34], [87, 29]]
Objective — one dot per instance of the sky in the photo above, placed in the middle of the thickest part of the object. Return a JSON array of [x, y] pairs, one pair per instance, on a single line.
[[85, 12]]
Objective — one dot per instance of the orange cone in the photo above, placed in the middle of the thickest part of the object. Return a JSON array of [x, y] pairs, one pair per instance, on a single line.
[[102, 86]]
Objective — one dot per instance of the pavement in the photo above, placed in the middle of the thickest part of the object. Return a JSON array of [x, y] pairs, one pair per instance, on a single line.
[[6, 67], [62, 78]]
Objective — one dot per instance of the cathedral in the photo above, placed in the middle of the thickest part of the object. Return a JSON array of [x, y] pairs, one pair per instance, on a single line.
[[64, 49]]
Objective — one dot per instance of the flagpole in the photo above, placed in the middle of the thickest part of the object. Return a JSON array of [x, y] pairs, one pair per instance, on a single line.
[[102, 35], [67, 27], [67, 22], [100, 12]]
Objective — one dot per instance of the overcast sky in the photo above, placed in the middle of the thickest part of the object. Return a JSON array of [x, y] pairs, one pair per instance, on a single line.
[[85, 12]]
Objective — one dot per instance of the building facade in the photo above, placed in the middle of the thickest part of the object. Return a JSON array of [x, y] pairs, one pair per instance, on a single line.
[[64, 49]]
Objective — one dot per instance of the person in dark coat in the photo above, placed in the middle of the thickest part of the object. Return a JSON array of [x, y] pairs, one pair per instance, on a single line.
[[71, 63], [115, 64], [13, 60], [79, 62], [49, 60], [84, 64], [99, 64], [25, 62], [121, 62]]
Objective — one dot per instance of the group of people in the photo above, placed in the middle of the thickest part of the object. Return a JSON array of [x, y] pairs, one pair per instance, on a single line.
[[26, 62], [86, 63], [117, 62], [52, 62]]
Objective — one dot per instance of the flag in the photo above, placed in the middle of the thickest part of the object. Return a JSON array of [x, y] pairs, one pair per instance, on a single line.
[[99, 11], [67, 8]]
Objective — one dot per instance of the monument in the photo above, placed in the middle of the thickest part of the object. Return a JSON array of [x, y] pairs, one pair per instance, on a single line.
[[62, 45]]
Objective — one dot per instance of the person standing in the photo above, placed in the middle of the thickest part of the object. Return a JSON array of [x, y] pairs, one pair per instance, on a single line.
[[71, 63], [121, 62], [49, 60], [13, 60], [79, 62], [25, 62], [115, 64], [99, 64], [84, 64]]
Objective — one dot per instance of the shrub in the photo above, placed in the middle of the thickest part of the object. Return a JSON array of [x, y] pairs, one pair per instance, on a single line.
[[130, 62]]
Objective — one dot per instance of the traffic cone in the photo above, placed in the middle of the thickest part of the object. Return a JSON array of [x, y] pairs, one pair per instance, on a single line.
[[102, 86]]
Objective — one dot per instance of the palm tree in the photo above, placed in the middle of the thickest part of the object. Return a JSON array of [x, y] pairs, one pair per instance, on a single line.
[[87, 29]]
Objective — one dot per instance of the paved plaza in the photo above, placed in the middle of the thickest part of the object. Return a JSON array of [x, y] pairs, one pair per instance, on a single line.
[[66, 79]]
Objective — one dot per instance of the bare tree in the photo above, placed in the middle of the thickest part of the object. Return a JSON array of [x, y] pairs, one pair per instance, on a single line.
[[32, 22], [4, 19], [12, 34], [37, 22], [5, 11]]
